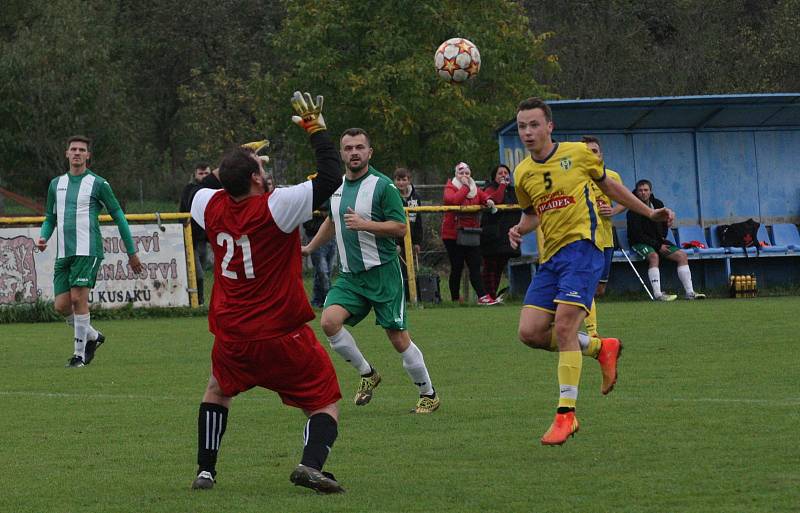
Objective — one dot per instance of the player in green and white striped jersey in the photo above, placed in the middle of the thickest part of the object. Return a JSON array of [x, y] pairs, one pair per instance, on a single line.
[[74, 202], [367, 216]]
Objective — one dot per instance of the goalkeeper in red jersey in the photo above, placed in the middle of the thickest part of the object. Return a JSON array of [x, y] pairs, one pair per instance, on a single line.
[[259, 310]]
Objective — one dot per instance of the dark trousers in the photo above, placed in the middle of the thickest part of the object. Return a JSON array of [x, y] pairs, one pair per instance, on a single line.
[[200, 259], [493, 267], [458, 255], [322, 260]]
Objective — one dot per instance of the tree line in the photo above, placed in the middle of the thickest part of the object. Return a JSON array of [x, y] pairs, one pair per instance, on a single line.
[[160, 85]]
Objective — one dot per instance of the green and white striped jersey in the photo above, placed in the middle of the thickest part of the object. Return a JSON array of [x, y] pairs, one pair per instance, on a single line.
[[73, 206], [374, 197]]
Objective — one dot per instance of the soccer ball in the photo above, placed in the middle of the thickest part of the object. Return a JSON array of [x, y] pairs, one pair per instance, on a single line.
[[457, 60]]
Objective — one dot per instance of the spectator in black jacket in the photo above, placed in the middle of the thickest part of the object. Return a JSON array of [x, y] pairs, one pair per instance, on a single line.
[[496, 250], [402, 180], [649, 240], [201, 171]]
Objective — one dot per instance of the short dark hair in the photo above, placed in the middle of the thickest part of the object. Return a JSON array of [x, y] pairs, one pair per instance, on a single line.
[[237, 166], [536, 103], [352, 132], [402, 172], [644, 182], [80, 138], [201, 165], [590, 139]]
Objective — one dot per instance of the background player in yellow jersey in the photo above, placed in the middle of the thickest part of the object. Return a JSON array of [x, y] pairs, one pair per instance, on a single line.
[[554, 189], [606, 229]]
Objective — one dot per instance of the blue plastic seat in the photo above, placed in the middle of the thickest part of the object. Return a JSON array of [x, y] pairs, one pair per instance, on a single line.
[[786, 234], [690, 233], [622, 240], [763, 236], [713, 236], [671, 236]]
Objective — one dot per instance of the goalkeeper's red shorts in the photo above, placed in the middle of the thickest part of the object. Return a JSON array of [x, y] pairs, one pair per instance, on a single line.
[[296, 366]]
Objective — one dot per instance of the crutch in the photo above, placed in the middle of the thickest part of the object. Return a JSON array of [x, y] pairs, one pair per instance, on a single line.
[[637, 274]]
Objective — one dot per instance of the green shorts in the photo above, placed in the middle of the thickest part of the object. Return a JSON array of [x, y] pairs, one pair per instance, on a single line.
[[380, 288], [643, 249], [75, 271]]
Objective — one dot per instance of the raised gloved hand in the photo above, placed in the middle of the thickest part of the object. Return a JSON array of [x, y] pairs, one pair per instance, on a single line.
[[309, 114], [257, 146]]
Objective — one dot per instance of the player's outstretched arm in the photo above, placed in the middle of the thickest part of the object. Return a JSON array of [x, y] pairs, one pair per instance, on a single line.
[[324, 234], [291, 206], [308, 116], [622, 195]]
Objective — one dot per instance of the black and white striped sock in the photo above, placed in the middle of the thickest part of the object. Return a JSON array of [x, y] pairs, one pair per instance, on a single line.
[[211, 422], [318, 437]]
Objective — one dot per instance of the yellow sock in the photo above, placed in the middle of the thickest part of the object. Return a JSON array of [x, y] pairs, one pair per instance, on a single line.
[[591, 320], [569, 375], [593, 347]]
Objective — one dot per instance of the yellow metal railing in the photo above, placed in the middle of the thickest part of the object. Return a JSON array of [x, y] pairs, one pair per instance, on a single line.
[[409, 253]]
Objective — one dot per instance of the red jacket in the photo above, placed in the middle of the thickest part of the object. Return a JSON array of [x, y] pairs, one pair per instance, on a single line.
[[453, 220]]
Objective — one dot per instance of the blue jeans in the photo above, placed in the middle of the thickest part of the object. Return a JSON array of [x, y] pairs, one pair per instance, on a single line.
[[323, 259]]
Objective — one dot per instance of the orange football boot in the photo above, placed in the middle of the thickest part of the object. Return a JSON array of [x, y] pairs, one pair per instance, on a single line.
[[564, 426], [609, 353]]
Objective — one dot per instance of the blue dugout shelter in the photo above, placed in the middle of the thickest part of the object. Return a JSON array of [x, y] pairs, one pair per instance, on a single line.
[[712, 159]]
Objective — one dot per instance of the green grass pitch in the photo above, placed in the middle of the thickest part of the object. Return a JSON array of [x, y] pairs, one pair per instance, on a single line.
[[704, 418]]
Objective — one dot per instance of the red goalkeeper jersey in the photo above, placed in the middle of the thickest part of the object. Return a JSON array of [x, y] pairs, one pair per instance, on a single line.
[[258, 288]]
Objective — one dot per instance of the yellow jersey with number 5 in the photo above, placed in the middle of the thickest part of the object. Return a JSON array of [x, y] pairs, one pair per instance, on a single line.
[[559, 190], [606, 234]]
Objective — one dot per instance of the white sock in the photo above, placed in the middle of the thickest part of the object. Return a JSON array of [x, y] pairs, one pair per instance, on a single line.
[[344, 344], [81, 328], [91, 334], [583, 340], [655, 280], [414, 364], [685, 275]]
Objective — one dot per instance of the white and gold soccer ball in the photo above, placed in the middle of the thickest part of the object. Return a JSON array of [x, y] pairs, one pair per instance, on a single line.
[[457, 60]]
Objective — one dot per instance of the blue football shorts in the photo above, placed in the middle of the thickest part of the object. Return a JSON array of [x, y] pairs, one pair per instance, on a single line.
[[570, 277]]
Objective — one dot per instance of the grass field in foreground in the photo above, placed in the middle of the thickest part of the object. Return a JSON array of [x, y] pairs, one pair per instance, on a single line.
[[704, 419]]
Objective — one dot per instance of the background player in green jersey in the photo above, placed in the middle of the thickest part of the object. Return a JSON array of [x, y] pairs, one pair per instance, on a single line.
[[367, 216], [74, 202]]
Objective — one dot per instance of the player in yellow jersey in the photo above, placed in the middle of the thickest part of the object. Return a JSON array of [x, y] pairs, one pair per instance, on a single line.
[[606, 227], [553, 187]]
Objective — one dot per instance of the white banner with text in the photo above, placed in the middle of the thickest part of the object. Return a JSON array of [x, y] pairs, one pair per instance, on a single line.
[[26, 274]]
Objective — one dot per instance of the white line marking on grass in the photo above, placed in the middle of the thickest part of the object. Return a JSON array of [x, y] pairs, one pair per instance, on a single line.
[[789, 401]]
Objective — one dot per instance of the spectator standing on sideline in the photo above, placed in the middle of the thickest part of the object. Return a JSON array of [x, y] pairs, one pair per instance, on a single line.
[[649, 239], [553, 190], [199, 243], [74, 202], [323, 258], [496, 249], [366, 217], [461, 190], [607, 210], [408, 193], [259, 310]]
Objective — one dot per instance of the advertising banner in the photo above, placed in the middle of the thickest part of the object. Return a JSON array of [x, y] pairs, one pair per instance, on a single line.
[[26, 274]]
